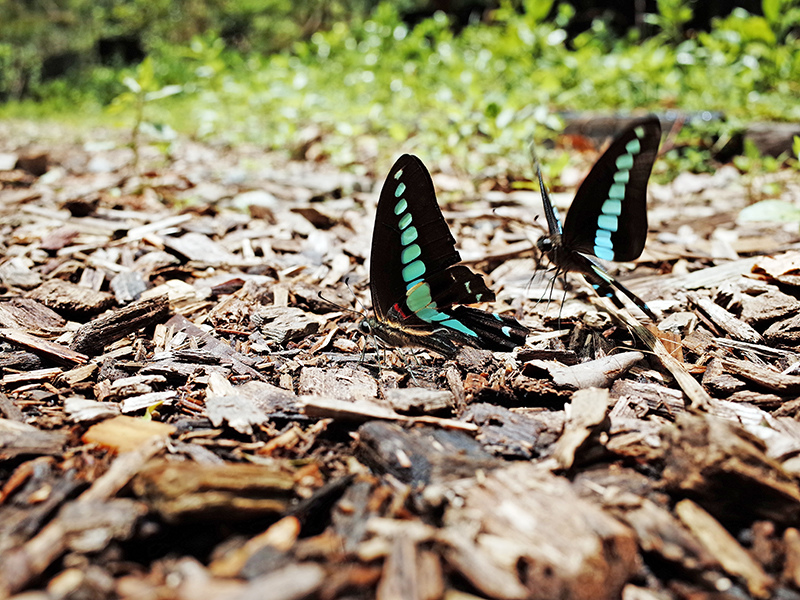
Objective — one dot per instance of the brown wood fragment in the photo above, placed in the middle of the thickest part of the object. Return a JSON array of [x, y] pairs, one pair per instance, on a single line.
[[31, 376], [456, 388], [656, 398], [283, 323], [791, 567], [513, 434], [545, 543], [601, 372], [698, 397], [80, 409], [19, 567], [784, 333], [363, 410], [587, 416], [345, 383], [17, 439], [190, 491], [717, 380], [280, 537], [200, 248], [737, 328], [225, 404], [55, 351], [419, 400], [70, 299], [241, 364], [422, 454], [93, 337], [784, 268], [726, 470], [724, 547], [19, 360], [659, 532], [9, 409], [125, 434], [768, 305], [763, 377], [16, 273], [119, 389]]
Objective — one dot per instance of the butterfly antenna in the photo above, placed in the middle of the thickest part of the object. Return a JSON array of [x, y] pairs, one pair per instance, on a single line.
[[358, 301], [339, 306]]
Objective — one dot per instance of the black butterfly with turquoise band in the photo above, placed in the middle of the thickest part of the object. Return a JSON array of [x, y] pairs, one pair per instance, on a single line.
[[418, 289], [608, 217]]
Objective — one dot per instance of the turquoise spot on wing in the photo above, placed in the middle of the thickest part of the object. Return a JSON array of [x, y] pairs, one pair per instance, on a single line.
[[468, 285], [429, 314], [634, 147], [616, 191], [400, 207], [412, 284], [603, 253], [506, 331], [408, 236], [401, 187], [405, 220], [478, 297], [608, 222], [624, 161], [603, 242], [414, 271], [612, 207], [398, 174], [639, 131], [603, 234], [496, 316], [410, 253], [623, 176], [459, 326], [419, 297]]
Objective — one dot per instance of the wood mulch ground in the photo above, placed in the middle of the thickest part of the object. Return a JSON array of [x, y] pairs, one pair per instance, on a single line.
[[187, 410]]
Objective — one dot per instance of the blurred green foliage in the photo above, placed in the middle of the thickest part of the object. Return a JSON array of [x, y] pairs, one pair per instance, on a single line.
[[363, 89]]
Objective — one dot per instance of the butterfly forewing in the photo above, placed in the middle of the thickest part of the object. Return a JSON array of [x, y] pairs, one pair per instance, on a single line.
[[608, 217], [412, 274]]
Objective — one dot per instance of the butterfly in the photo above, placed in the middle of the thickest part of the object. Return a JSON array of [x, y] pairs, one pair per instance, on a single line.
[[608, 217], [418, 289]]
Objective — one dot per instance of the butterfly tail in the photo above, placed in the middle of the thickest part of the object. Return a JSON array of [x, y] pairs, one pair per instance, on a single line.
[[494, 331], [605, 285]]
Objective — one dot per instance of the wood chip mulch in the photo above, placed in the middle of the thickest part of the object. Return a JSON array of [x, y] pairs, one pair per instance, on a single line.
[[188, 410]]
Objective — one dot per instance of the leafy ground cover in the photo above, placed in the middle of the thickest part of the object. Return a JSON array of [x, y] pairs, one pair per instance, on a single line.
[[362, 92]]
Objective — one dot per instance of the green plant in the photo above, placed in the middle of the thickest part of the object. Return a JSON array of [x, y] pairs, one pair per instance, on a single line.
[[143, 90]]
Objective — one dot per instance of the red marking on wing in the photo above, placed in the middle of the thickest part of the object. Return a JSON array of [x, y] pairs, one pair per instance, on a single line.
[[400, 310]]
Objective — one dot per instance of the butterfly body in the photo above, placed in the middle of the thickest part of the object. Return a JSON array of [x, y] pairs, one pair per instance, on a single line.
[[418, 289], [608, 217]]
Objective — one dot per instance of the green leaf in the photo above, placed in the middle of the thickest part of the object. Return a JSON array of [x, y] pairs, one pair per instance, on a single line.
[[537, 10], [772, 10], [776, 211]]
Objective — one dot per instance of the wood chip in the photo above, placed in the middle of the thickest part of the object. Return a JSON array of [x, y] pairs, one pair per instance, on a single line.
[[125, 434], [724, 547]]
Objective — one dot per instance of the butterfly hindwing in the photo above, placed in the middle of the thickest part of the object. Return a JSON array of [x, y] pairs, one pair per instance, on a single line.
[[414, 278], [608, 217]]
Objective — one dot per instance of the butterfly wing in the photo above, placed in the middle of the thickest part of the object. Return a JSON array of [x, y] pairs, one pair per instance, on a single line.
[[413, 252], [414, 278], [608, 217]]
